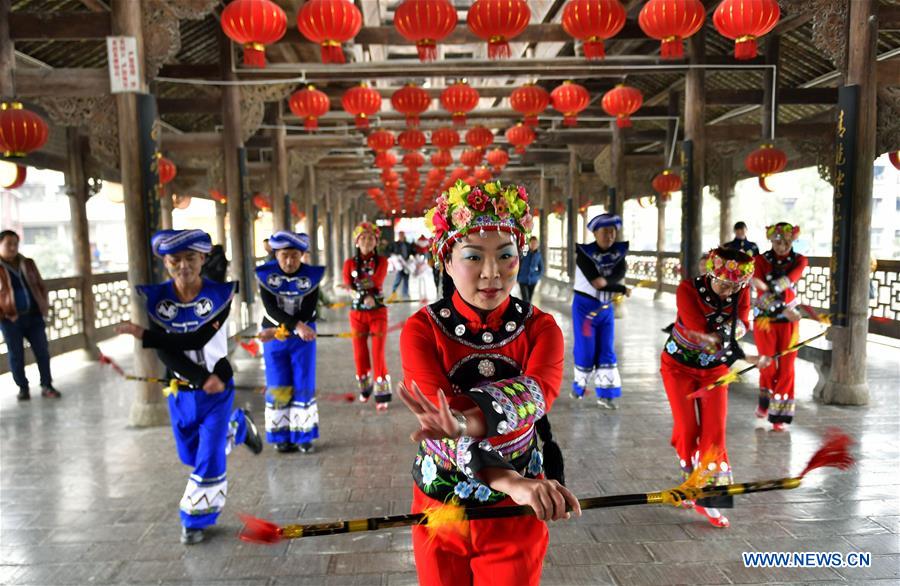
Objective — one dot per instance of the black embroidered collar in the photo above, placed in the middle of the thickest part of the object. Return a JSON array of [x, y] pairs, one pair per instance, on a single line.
[[455, 320]]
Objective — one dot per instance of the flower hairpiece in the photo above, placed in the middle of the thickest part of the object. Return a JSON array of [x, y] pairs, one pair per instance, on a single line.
[[782, 231], [728, 269], [366, 227]]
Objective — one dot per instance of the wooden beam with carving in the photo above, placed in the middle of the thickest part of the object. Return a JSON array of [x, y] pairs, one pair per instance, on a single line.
[[63, 82], [201, 105], [59, 26]]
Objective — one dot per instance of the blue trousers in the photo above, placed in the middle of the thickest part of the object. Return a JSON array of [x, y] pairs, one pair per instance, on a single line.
[[402, 278], [593, 325], [292, 415], [29, 327], [205, 429]]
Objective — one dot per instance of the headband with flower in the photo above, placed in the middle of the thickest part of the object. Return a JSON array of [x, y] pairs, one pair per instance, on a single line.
[[729, 269], [490, 207], [782, 231], [366, 228]]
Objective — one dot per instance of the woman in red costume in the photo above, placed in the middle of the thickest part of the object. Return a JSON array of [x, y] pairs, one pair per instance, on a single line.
[[713, 314], [364, 275], [776, 327], [480, 368]]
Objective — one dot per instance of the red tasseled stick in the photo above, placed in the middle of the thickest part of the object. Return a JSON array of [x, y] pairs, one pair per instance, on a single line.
[[104, 359], [251, 347], [834, 453], [259, 530]]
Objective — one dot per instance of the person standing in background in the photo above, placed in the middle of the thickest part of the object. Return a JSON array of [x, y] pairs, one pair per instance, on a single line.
[[531, 269], [740, 241], [400, 253]]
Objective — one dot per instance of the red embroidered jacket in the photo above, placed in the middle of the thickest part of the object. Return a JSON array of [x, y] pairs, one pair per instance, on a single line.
[[365, 276], [781, 274], [509, 364]]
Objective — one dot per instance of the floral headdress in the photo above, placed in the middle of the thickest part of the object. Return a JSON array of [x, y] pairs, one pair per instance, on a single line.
[[737, 270], [782, 231], [490, 207], [366, 228]]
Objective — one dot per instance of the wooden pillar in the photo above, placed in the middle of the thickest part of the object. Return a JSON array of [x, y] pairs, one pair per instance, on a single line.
[[694, 134], [660, 244], [312, 213], [846, 383], [280, 208], [572, 235], [7, 52], [726, 198], [767, 120], [618, 172], [329, 228], [165, 209], [76, 187], [545, 215], [148, 408], [220, 223]]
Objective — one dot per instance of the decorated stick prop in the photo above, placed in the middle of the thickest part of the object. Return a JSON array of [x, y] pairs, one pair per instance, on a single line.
[[735, 375], [833, 453], [621, 291]]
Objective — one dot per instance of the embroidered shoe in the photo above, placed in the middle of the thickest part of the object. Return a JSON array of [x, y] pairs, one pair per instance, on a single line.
[[191, 536], [253, 440], [715, 518]]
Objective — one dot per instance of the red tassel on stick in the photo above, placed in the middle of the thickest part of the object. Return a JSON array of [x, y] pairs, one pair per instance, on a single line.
[[258, 530], [251, 347], [834, 453]]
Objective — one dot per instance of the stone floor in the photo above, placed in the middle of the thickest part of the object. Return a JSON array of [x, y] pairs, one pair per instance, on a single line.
[[86, 500]]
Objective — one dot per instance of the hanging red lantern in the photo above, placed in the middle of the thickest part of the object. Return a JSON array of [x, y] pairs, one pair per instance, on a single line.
[[479, 137], [671, 21], [425, 23], [530, 100], [412, 101], [380, 140], [457, 174], [765, 161], [217, 196], [744, 21], [894, 158], [622, 101], [261, 202], [497, 158], [411, 140], [309, 104], [254, 24], [483, 174], [21, 130], [441, 159], [385, 160], [445, 138], [329, 23], [570, 98], [592, 22], [435, 175], [558, 208], [498, 21], [413, 160], [165, 169], [389, 176], [520, 136], [471, 180], [374, 192], [16, 178], [361, 102], [665, 183], [471, 157], [458, 99]]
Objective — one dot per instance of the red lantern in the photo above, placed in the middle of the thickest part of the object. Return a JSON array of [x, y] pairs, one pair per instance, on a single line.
[[894, 158], [389, 176], [261, 202], [18, 179], [593, 21], [665, 183], [622, 101], [457, 174], [497, 21], [380, 140], [558, 208], [295, 212], [671, 21], [570, 99], [413, 160], [329, 23], [385, 160], [411, 140], [530, 100], [21, 131], [520, 136], [471, 157], [471, 180], [445, 138], [254, 24], [309, 104], [744, 21], [362, 102], [435, 175], [412, 101], [482, 174], [765, 161], [479, 137], [165, 169], [441, 159], [458, 99], [497, 158], [425, 22]]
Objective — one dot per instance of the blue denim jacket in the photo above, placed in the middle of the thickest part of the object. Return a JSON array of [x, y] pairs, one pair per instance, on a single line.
[[531, 268]]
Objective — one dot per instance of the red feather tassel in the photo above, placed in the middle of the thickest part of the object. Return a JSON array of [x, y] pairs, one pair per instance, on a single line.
[[259, 530], [251, 347], [834, 453]]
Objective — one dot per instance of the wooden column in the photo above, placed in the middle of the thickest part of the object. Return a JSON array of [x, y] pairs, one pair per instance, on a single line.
[[220, 223], [773, 46], [692, 195], [329, 229], [572, 235], [726, 198], [7, 52], [76, 187], [280, 208], [618, 172], [660, 244], [544, 204], [165, 209], [312, 213], [148, 408], [846, 383]]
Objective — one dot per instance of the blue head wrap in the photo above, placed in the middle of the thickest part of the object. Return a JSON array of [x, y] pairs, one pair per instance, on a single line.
[[174, 241], [604, 221], [282, 239]]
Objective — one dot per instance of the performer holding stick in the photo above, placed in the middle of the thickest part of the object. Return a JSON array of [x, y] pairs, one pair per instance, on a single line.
[[187, 328]]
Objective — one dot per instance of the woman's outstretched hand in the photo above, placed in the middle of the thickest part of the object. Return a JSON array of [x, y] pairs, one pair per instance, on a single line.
[[131, 329], [435, 422]]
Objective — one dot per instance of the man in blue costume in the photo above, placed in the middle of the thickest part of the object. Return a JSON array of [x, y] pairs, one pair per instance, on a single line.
[[740, 241], [289, 291], [599, 276], [188, 328]]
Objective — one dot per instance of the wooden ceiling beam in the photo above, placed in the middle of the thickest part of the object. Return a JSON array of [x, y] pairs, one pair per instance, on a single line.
[[818, 95], [750, 132], [189, 105], [75, 82], [59, 26]]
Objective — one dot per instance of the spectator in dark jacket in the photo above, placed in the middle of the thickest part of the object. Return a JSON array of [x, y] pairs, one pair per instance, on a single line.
[[401, 250], [24, 303], [216, 266], [531, 269]]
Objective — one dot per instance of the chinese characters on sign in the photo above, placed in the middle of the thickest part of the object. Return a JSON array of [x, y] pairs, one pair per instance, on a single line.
[[124, 72], [844, 171]]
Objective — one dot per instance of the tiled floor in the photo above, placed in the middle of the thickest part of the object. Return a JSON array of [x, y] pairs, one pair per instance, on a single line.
[[86, 500]]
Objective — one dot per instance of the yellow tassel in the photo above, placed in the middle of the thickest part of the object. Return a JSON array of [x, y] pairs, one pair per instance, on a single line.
[[763, 324], [698, 476], [727, 379], [825, 319], [794, 339], [447, 517], [338, 305], [282, 333], [393, 298], [172, 389]]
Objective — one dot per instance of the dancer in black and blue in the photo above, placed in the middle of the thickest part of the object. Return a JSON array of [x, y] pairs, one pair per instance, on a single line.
[[188, 329], [599, 276], [289, 291]]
